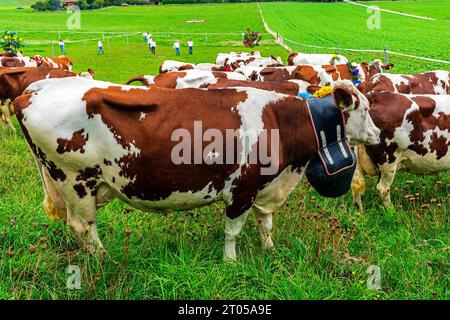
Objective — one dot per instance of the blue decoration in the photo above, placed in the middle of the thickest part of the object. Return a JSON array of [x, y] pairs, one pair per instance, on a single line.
[[305, 95]]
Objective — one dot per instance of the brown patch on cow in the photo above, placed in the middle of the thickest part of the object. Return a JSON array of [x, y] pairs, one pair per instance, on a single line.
[[13, 82], [291, 57], [62, 62], [89, 173], [11, 62], [284, 87], [168, 79], [76, 143], [306, 73], [275, 74], [186, 67], [81, 191], [439, 144], [387, 111]]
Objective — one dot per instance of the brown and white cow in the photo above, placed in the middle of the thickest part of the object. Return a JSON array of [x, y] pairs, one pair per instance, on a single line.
[[328, 74], [221, 57], [12, 62], [234, 63], [267, 73], [172, 65], [290, 87], [186, 79], [13, 81], [433, 82], [123, 142], [318, 59], [415, 137], [61, 62]]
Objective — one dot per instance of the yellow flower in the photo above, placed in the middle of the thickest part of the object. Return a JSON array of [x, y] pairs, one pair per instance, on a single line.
[[353, 272], [334, 56], [361, 281], [322, 92]]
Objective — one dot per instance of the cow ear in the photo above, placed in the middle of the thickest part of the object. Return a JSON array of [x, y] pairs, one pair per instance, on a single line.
[[387, 66], [343, 98], [329, 68], [313, 88]]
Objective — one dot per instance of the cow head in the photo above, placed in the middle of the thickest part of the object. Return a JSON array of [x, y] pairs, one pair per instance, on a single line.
[[360, 128], [38, 59]]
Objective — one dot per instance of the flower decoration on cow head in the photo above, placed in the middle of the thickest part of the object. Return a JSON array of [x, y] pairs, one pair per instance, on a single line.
[[356, 73], [251, 38], [334, 59], [11, 42]]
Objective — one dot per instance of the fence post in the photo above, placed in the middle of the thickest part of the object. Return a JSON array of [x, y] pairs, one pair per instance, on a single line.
[[108, 42], [386, 58], [53, 49], [84, 46], [127, 40], [103, 36], [339, 50], [206, 37], [59, 35]]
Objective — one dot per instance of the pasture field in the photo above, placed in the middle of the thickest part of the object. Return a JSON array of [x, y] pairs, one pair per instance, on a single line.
[[323, 247], [332, 24], [436, 9]]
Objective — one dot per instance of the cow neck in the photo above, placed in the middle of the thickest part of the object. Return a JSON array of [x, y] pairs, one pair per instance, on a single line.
[[298, 144]]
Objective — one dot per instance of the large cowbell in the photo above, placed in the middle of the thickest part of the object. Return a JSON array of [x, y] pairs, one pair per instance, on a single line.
[[331, 170]]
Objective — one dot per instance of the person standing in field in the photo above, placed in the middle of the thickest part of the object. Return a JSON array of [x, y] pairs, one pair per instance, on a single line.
[[62, 47], [190, 46], [153, 47], [145, 35], [176, 46], [150, 44], [100, 47]]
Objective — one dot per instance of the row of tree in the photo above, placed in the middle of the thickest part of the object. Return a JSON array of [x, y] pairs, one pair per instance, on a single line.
[[55, 5]]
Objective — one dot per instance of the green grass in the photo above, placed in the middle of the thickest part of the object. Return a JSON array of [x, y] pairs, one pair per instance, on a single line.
[[16, 3], [323, 247], [333, 24], [436, 9]]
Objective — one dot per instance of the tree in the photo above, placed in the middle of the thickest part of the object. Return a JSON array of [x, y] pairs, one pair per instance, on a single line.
[[54, 5]]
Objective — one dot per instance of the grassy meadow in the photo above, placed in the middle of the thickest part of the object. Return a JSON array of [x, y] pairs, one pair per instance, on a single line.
[[323, 247]]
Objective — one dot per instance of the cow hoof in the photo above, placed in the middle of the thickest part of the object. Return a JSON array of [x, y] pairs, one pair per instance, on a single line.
[[230, 259]]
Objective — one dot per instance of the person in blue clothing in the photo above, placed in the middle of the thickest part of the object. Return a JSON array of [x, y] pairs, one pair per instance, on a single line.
[[100, 47], [190, 46], [176, 46], [62, 47]]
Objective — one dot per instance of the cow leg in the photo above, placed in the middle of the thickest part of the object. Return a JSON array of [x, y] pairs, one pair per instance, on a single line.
[[358, 186], [264, 223], [81, 221], [270, 198], [6, 111], [387, 174], [233, 228]]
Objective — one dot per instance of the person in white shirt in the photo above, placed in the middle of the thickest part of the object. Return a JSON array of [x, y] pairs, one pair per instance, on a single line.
[[100, 47], [62, 47], [176, 46], [190, 46]]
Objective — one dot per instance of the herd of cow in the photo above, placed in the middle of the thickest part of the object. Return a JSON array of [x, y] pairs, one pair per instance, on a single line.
[[94, 141]]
